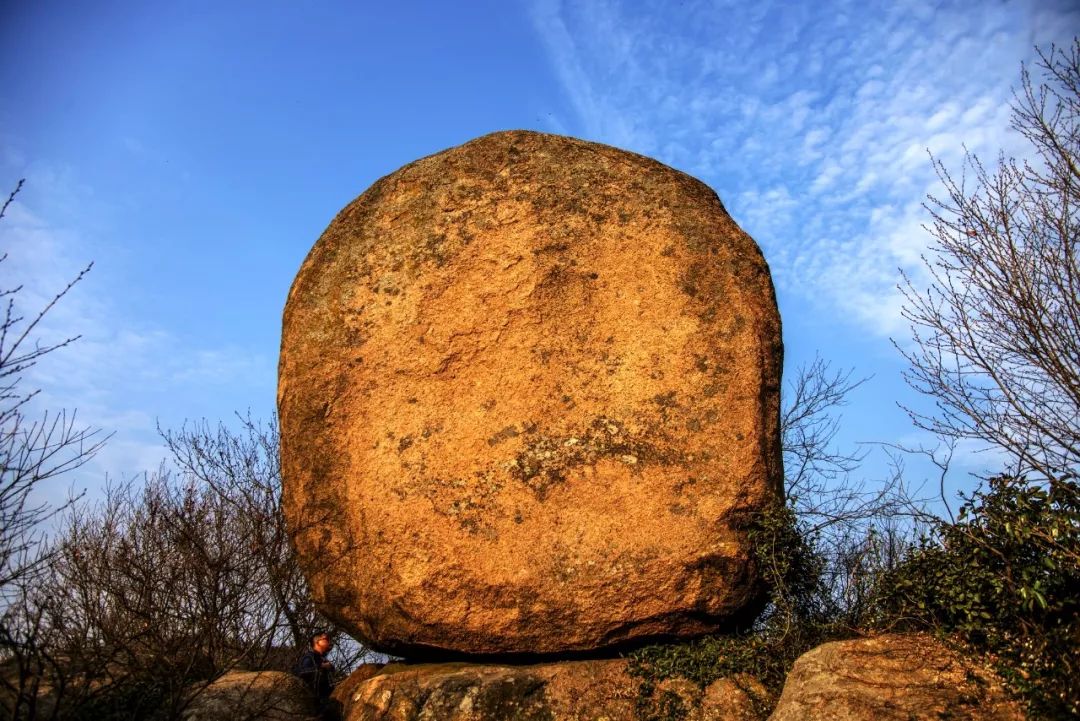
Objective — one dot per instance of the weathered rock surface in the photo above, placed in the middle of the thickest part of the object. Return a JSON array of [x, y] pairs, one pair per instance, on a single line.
[[566, 691], [910, 677], [342, 695], [529, 395], [732, 700], [253, 695]]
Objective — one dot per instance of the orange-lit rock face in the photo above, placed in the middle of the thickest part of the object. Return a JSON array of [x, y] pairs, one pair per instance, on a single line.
[[529, 396]]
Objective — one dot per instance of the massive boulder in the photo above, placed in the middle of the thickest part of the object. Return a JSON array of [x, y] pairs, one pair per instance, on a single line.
[[529, 394], [894, 677]]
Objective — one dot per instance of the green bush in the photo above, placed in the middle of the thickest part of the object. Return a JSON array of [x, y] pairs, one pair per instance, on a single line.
[[1004, 577]]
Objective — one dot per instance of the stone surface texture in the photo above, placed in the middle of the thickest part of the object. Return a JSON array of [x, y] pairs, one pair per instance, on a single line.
[[255, 696], [529, 399], [909, 677], [344, 690], [564, 691], [733, 700]]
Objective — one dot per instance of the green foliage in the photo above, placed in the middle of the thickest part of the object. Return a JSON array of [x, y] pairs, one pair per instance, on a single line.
[[703, 661], [667, 706], [792, 569], [1004, 577]]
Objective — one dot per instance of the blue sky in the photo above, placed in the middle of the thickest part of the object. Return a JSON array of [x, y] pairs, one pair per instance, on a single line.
[[195, 151]]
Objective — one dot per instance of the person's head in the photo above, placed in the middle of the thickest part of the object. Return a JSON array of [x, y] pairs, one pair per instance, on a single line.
[[321, 642]]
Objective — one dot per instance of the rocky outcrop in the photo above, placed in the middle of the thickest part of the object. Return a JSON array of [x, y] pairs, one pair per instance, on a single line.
[[567, 691], [254, 696], [901, 677], [345, 690], [529, 397], [893, 677], [732, 699]]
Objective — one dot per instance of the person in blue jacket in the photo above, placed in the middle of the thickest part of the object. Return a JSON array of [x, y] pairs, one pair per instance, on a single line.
[[315, 671]]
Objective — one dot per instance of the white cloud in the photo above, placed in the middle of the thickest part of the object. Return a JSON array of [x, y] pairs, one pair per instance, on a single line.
[[836, 106], [123, 373]]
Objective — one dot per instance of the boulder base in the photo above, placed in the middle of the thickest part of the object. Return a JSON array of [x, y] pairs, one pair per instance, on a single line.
[[529, 401], [565, 691], [891, 678]]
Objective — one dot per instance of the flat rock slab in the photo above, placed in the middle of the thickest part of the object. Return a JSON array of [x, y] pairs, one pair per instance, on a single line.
[[566, 691], [255, 696], [899, 677], [529, 400]]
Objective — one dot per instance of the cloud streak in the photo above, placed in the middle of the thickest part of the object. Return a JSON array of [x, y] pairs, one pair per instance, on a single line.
[[123, 374], [812, 122]]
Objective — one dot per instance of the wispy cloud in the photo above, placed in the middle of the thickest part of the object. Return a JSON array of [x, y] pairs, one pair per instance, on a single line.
[[813, 122], [125, 372]]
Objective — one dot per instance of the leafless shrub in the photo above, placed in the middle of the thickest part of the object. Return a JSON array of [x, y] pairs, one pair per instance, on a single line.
[[179, 577], [32, 451], [997, 333]]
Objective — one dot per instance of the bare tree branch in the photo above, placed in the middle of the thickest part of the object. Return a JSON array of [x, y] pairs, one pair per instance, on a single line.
[[996, 335]]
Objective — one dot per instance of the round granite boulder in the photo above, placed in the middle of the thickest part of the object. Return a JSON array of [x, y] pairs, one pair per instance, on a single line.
[[529, 403]]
